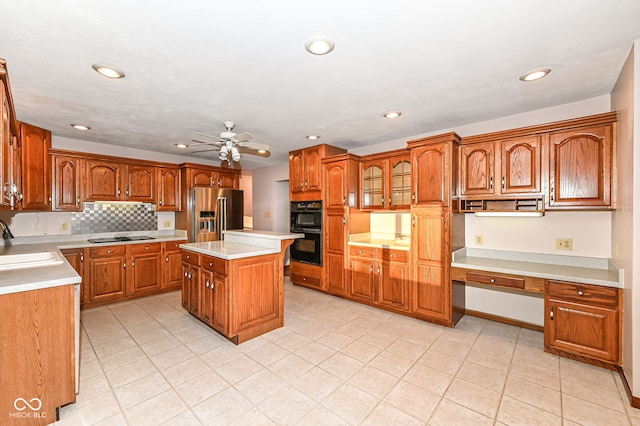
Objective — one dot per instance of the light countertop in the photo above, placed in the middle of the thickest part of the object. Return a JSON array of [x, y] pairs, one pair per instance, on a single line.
[[238, 244], [584, 270], [269, 235], [380, 240]]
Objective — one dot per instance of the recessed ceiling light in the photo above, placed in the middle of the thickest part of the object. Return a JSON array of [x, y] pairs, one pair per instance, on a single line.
[[80, 127], [181, 145], [535, 74], [313, 137], [319, 44], [392, 114], [108, 71]]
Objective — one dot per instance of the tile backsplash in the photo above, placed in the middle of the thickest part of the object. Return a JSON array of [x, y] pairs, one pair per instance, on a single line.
[[114, 217]]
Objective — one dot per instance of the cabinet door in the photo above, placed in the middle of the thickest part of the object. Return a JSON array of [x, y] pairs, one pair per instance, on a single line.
[[67, 173], [476, 169], [335, 228], [36, 168], [373, 184], [172, 270], [312, 169], [5, 143], [107, 278], [146, 268], [394, 285], [580, 168], [361, 278], [195, 274], [430, 174], [201, 177], [399, 182], [430, 263], [520, 165], [186, 285], [206, 296], [141, 183], [103, 181], [227, 180], [296, 181], [76, 258], [336, 185], [168, 189], [219, 308]]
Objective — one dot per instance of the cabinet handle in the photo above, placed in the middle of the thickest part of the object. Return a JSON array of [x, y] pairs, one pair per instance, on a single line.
[[82, 258], [389, 201], [206, 283], [126, 193], [146, 247], [219, 182], [383, 202], [551, 193], [580, 293], [49, 200], [344, 200], [379, 272], [492, 280], [304, 278], [371, 269], [118, 192], [213, 286], [186, 274], [161, 202], [413, 196], [344, 220], [166, 259], [108, 251], [133, 263], [413, 221], [77, 201], [301, 184], [503, 182], [551, 313], [491, 182], [124, 264]]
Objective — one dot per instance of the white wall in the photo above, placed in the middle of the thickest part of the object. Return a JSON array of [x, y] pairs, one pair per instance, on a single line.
[[625, 99], [264, 194]]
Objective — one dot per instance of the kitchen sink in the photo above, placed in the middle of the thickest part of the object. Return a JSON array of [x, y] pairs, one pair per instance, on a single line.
[[29, 260]]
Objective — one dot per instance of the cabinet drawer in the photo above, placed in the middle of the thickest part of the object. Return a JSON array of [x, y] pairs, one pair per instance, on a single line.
[[361, 251], [305, 279], [214, 264], [145, 248], [191, 257], [495, 280], [583, 293], [173, 245], [394, 255], [105, 251]]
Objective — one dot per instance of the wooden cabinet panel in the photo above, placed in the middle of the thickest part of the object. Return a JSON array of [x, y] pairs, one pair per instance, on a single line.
[[583, 322], [206, 297], [194, 294], [76, 258], [200, 178], [106, 277], [430, 174], [521, 165], [140, 183], [219, 305], [580, 167], [168, 189], [306, 173], [67, 172], [36, 167], [335, 273], [172, 270], [476, 169], [361, 278], [227, 180], [394, 285], [312, 168], [336, 182], [296, 179], [253, 280], [103, 181], [146, 268]]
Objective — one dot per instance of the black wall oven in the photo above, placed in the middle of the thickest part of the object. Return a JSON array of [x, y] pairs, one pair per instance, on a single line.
[[306, 218]]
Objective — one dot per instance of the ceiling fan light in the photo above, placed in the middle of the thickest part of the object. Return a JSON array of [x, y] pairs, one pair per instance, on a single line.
[[235, 154], [535, 74], [223, 155], [319, 44], [108, 71]]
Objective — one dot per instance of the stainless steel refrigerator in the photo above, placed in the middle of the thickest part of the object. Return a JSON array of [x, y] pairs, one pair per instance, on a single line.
[[214, 210]]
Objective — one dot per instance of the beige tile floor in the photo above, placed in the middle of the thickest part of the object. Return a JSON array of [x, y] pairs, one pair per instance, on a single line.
[[335, 362]]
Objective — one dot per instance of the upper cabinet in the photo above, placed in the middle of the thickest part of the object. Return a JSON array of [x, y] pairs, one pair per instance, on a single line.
[[580, 164], [36, 167], [103, 181], [140, 183], [212, 177], [67, 172], [168, 189], [433, 182], [305, 171], [565, 165], [9, 145], [385, 180]]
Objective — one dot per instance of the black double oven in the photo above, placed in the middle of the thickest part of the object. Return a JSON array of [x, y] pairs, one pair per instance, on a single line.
[[306, 218]]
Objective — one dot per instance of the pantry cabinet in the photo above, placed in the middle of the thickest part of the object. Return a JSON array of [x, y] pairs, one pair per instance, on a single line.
[[67, 172], [36, 168], [305, 171], [583, 321]]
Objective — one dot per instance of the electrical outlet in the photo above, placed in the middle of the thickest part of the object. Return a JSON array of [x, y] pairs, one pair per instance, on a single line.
[[267, 214], [479, 239], [166, 224], [564, 244], [64, 226]]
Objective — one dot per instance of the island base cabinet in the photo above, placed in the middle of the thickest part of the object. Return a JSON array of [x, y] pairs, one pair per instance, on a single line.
[[38, 356], [582, 322]]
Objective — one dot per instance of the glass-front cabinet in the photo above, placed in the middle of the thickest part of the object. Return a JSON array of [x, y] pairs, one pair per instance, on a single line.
[[373, 184], [386, 181]]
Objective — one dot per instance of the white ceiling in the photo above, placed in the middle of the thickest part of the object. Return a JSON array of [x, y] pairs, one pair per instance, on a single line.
[[193, 64]]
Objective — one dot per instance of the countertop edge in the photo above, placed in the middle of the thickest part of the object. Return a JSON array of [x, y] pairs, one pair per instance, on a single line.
[[251, 251]]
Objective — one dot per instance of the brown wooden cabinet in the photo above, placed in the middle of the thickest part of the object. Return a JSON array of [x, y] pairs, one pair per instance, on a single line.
[[362, 274], [580, 167], [213, 293], [168, 189], [67, 172], [212, 177], [335, 231], [393, 286], [386, 181], [76, 258], [582, 321], [305, 171], [191, 275], [172, 269], [36, 167], [105, 276], [140, 183], [9, 145], [103, 180], [431, 173], [477, 162], [145, 273], [307, 275]]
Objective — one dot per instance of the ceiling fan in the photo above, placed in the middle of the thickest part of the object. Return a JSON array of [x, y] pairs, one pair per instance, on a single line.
[[231, 144]]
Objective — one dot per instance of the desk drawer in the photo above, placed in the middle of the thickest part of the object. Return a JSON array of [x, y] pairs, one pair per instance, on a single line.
[[596, 295], [493, 279]]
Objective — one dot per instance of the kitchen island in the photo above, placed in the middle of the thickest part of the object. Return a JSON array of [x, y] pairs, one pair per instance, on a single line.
[[236, 286]]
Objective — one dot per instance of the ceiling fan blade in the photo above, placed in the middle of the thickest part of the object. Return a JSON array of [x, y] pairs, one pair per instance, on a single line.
[[245, 150], [207, 142], [243, 136], [209, 136], [204, 150], [254, 145]]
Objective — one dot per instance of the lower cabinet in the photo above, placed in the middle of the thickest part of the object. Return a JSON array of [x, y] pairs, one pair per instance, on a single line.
[[115, 273], [582, 321], [213, 304], [306, 275], [380, 276], [191, 283]]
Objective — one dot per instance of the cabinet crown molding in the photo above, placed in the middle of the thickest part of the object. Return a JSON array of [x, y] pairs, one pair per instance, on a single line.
[[429, 140]]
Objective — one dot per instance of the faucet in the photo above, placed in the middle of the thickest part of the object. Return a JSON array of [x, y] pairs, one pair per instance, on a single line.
[[6, 232]]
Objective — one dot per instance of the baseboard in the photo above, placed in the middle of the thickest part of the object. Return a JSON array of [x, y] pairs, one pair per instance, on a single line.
[[504, 320], [633, 400]]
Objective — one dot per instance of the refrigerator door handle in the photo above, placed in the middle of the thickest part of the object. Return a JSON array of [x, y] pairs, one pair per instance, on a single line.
[[222, 217]]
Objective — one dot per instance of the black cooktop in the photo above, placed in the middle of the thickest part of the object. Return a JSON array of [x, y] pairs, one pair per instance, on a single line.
[[118, 239]]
